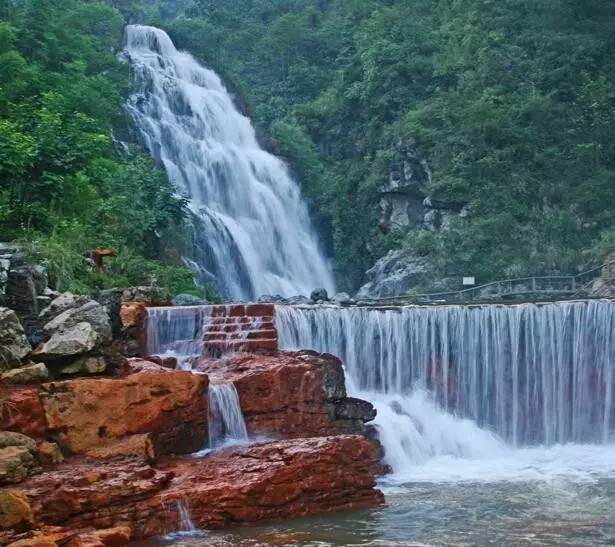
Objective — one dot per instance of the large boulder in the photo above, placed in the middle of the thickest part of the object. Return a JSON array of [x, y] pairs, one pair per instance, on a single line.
[[60, 304], [394, 274], [14, 345], [76, 340], [274, 480], [85, 413], [291, 394], [90, 312]]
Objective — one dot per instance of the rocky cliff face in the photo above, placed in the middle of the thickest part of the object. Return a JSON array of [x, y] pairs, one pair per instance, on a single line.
[[406, 203]]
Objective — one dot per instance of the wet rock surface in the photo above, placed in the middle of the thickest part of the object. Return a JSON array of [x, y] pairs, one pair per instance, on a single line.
[[290, 394], [241, 484], [82, 414]]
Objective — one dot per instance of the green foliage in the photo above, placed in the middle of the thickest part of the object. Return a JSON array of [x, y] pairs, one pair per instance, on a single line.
[[64, 186], [512, 102]]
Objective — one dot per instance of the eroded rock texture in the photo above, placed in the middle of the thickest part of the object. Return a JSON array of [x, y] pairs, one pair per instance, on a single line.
[[87, 413], [291, 395], [241, 484]]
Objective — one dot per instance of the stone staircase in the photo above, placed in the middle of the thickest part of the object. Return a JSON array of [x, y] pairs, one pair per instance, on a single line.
[[239, 327]]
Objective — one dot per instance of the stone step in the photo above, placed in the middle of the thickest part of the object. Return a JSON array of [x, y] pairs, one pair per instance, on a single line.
[[242, 345], [239, 320], [240, 310], [228, 327], [247, 335]]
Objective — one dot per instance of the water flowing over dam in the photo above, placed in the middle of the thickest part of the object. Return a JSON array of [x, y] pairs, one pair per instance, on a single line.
[[466, 380], [251, 230]]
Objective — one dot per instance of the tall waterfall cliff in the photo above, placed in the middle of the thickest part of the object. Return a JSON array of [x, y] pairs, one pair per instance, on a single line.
[[251, 229], [531, 374]]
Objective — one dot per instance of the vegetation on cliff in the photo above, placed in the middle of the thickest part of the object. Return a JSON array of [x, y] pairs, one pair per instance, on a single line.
[[510, 102], [65, 185]]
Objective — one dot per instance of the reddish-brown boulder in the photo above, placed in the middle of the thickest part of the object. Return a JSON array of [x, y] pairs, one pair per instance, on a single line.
[[87, 493], [290, 395], [21, 410], [275, 480], [85, 413], [242, 484]]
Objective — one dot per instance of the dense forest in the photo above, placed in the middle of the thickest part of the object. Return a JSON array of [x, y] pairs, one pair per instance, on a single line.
[[487, 123]]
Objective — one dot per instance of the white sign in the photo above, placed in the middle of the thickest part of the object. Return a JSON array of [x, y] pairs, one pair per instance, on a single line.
[[469, 281]]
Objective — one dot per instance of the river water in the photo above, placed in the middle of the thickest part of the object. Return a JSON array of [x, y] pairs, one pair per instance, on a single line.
[[557, 511], [497, 422]]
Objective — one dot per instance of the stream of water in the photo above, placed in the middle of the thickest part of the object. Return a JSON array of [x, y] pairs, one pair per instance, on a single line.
[[497, 422]]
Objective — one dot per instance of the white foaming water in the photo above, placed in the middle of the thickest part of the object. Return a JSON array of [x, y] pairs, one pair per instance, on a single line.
[[491, 393], [252, 233], [226, 423]]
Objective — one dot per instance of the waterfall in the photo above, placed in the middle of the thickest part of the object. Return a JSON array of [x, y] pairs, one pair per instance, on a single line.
[[187, 529], [528, 374], [251, 229], [177, 331], [226, 423]]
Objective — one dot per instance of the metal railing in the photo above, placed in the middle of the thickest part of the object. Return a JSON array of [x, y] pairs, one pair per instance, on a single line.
[[556, 285]]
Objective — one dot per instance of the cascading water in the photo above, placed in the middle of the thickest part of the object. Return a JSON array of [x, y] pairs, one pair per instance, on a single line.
[[226, 423], [471, 382], [177, 331], [252, 233]]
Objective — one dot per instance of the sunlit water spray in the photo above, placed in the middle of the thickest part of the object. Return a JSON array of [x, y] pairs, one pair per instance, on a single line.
[[251, 230]]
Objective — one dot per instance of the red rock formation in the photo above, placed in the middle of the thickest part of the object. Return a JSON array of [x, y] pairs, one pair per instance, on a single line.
[[85, 413], [291, 395], [52, 536], [21, 410], [80, 491], [242, 484]]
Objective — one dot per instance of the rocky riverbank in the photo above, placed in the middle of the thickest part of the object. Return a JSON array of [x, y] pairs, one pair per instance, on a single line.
[[97, 437]]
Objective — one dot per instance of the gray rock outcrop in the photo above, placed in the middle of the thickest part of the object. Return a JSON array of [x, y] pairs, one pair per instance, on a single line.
[[319, 295], [14, 345], [394, 274], [73, 341], [90, 312]]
